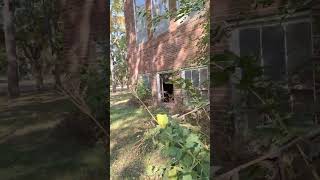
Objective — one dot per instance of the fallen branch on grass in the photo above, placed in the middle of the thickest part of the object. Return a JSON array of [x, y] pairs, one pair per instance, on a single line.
[[83, 107], [192, 111], [269, 155], [145, 106]]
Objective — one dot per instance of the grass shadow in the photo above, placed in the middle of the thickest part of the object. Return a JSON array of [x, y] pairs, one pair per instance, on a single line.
[[32, 152]]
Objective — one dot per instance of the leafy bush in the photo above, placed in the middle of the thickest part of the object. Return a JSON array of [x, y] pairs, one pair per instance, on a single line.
[[189, 156], [143, 90], [95, 96], [93, 93], [96, 92]]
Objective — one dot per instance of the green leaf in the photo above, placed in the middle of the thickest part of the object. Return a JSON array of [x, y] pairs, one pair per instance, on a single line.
[[187, 160], [149, 170], [185, 132], [205, 168], [174, 152], [172, 174], [197, 148], [187, 177], [191, 140]]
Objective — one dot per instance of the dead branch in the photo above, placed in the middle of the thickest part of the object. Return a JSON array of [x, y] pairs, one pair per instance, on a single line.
[[269, 155], [190, 112], [83, 108], [145, 106], [305, 158]]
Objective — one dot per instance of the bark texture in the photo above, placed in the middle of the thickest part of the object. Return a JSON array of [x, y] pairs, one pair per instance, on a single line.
[[9, 33]]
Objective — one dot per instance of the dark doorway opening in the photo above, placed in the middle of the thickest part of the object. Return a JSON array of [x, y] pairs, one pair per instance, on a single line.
[[166, 87]]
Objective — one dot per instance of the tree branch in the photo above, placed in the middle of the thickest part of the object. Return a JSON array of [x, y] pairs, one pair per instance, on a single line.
[[269, 155]]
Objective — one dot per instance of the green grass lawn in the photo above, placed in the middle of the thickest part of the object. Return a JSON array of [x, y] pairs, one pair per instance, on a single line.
[[128, 123], [30, 151]]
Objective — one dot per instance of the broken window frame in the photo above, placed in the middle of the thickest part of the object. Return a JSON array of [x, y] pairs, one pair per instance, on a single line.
[[204, 89]]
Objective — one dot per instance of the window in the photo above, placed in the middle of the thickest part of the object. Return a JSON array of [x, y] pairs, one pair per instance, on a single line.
[[273, 51], [146, 80], [188, 75], [178, 4], [198, 78], [298, 45], [250, 42], [203, 78], [140, 21], [159, 8], [1, 16], [282, 48]]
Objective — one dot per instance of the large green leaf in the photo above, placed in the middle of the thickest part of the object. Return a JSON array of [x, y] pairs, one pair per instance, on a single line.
[[174, 152], [187, 160], [191, 140], [172, 174], [187, 177]]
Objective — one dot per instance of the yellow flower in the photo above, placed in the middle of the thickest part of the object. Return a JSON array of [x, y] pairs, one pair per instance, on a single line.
[[162, 120]]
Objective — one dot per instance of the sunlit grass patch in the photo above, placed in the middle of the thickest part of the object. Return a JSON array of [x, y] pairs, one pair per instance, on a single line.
[[128, 123]]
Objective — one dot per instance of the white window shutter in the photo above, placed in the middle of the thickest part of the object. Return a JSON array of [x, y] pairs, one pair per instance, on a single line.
[[158, 87]]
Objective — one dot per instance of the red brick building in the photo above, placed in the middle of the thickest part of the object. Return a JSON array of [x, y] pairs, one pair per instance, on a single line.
[[153, 54]]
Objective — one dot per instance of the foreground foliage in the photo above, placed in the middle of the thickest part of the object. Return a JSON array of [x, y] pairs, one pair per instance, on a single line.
[[143, 91], [188, 155]]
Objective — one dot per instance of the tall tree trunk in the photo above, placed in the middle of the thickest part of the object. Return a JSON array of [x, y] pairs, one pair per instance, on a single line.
[[38, 76], [85, 22], [39, 81], [9, 30], [77, 26], [57, 76], [128, 82], [114, 86], [113, 80]]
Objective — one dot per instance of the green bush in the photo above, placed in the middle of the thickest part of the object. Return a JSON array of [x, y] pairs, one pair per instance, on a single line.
[[94, 91], [143, 90], [189, 158], [94, 83]]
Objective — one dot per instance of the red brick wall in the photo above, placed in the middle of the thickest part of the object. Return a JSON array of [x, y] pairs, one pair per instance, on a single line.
[[232, 10], [170, 50]]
